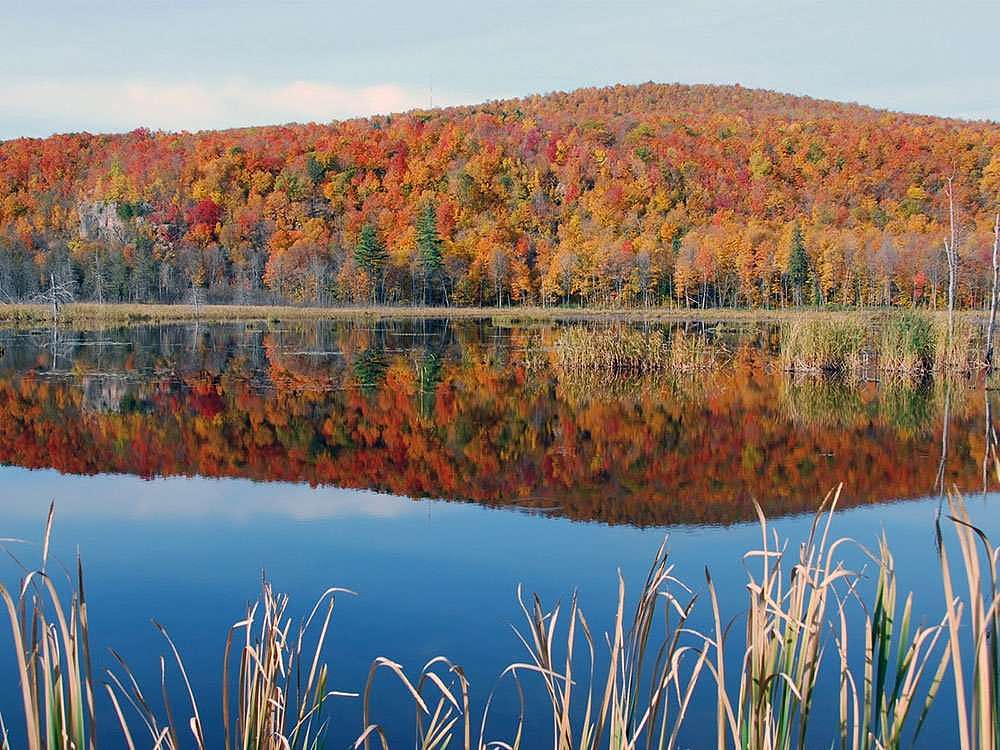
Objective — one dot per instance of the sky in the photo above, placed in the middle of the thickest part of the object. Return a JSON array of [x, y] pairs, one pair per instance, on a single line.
[[111, 65]]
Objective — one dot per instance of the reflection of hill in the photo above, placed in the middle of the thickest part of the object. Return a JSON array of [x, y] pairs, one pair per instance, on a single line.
[[457, 415]]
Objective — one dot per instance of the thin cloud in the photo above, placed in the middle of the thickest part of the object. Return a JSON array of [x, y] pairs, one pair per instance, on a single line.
[[111, 105]]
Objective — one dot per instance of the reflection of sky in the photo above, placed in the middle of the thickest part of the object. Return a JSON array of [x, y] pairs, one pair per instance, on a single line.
[[433, 578], [181, 497]]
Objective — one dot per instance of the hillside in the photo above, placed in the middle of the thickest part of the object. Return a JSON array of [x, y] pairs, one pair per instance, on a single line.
[[631, 195]]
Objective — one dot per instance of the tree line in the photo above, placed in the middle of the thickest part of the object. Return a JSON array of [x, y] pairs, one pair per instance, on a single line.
[[694, 196]]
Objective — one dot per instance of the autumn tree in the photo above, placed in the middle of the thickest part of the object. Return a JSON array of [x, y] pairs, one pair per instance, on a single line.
[[583, 197]]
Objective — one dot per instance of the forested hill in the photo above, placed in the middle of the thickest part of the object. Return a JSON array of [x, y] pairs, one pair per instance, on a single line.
[[630, 195]]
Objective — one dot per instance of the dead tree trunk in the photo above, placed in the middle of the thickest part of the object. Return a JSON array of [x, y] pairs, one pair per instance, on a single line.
[[54, 297], [951, 254], [993, 296]]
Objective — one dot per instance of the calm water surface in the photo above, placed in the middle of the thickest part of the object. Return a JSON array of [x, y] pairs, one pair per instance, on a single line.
[[186, 460]]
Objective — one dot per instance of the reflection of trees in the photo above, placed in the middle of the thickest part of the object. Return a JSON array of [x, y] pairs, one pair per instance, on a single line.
[[909, 406], [990, 456], [459, 413], [824, 401], [370, 367], [428, 377]]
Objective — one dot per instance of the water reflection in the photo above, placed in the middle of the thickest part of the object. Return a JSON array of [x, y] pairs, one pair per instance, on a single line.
[[185, 499], [475, 412], [266, 441]]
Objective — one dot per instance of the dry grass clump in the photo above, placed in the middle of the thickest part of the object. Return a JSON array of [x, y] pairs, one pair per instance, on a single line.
[[617, 349], [693, 352], [963, 351], [973, 631], [634, 688], [822, 344], [275, 698], [623, 349], [907, 343]]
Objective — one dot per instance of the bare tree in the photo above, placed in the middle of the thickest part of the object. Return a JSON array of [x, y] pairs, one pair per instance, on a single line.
[[951, 253], [98, 271], [58, 294], [499, 266], [993, 294], [196, 298]]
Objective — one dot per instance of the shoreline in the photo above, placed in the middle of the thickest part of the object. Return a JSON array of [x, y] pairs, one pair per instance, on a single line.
[[31, 315]]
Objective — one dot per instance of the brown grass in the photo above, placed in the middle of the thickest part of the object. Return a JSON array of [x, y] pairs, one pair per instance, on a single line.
[[622, 349], [905, 343], [124, 314]]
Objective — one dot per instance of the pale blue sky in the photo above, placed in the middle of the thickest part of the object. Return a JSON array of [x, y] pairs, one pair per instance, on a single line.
[[106, 65]]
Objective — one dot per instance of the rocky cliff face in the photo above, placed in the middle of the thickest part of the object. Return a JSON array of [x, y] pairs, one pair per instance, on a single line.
[[100, 221]]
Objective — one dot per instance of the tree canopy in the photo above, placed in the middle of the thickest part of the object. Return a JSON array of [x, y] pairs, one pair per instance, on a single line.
[[626, 195]]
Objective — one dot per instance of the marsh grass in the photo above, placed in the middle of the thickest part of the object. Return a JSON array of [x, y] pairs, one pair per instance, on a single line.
[[622, 349], [618, 349], [906, 343], [86, 314], [633, 688], [826, 345], [964, 351]]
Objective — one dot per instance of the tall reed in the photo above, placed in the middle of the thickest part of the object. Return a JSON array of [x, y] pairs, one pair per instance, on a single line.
[[274, 700], [648, 681], [973, 630], [907, 343], [52, 657], [963, 350]]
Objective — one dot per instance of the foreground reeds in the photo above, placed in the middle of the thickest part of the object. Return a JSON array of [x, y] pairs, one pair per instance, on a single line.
[[810, 622]]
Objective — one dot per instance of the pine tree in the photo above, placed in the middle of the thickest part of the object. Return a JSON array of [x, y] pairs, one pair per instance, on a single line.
[[798, 264], [371, 255], [428, 245]]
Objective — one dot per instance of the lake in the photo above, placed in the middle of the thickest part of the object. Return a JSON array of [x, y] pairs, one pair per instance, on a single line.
[[432, 466]]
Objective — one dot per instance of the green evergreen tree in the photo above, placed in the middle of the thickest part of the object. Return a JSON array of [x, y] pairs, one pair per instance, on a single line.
[[371, 255], [798, 264], [429, 246]]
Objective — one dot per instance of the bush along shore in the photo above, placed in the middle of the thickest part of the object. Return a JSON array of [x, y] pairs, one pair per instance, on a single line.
[[766, 672]]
